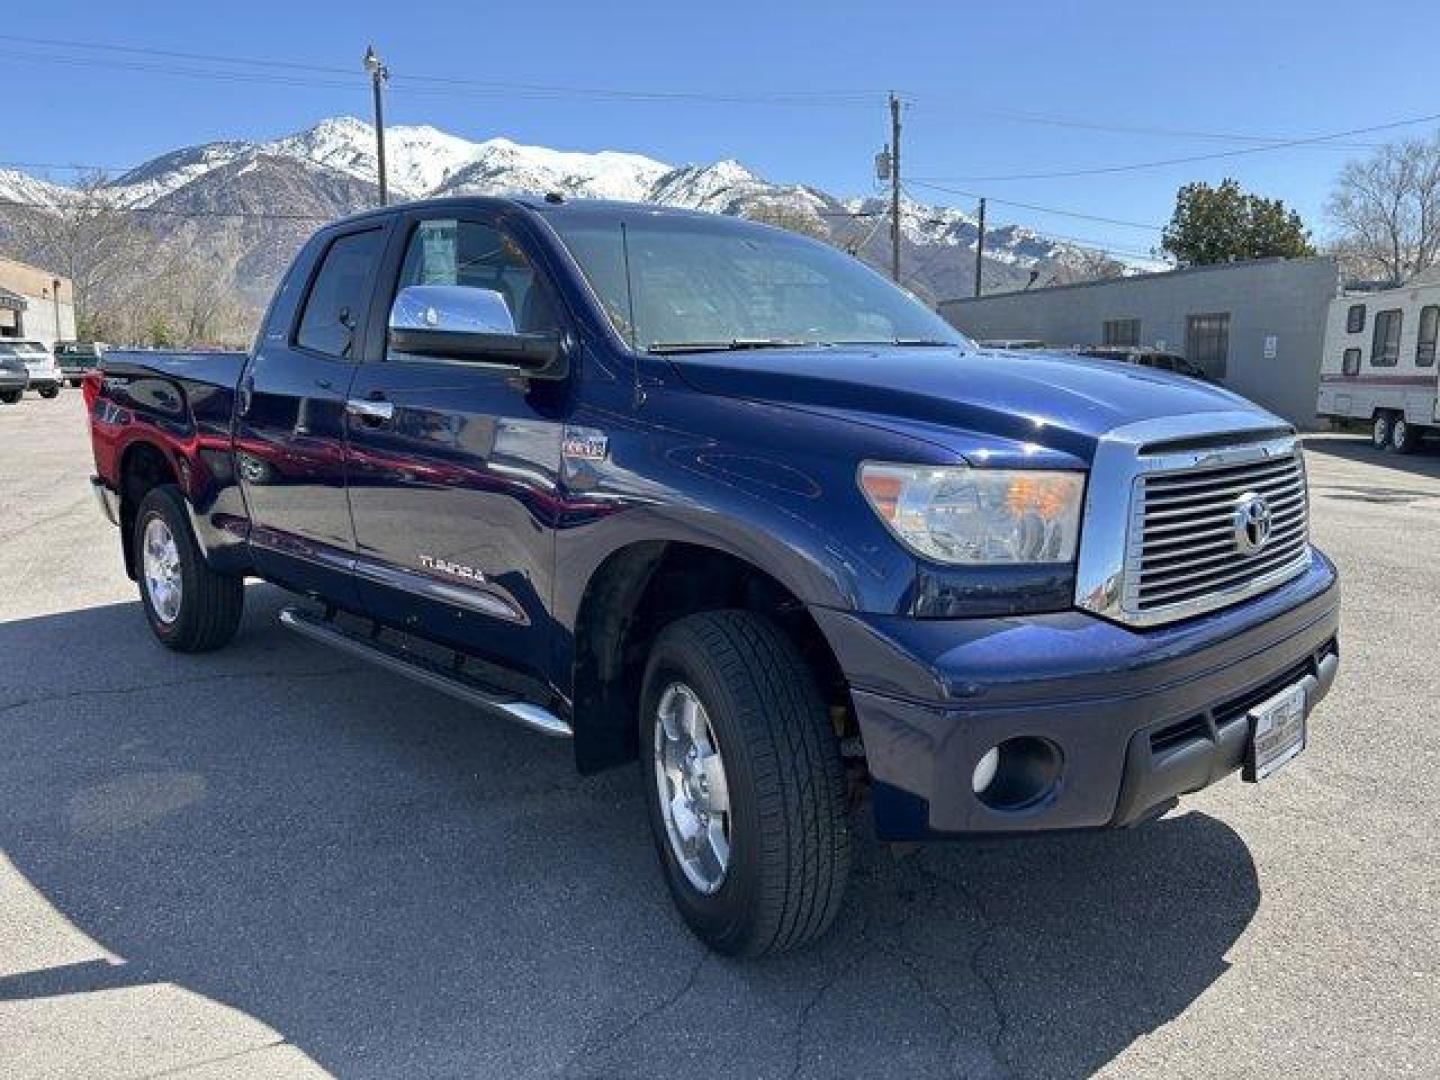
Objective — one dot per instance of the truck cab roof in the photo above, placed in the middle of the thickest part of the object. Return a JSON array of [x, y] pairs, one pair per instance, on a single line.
[[548, 205]]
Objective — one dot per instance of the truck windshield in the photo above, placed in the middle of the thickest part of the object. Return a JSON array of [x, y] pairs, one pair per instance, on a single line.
[[675, 284]]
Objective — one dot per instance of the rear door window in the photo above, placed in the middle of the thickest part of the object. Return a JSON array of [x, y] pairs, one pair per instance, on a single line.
[[335, 306]]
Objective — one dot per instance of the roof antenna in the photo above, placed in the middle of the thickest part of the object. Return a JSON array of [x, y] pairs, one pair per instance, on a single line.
[[639, 395]]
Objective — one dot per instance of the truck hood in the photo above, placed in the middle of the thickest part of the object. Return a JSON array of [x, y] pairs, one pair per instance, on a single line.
[[987, 406]]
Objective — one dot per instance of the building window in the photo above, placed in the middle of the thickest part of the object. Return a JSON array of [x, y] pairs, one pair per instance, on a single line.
[[1355, 319], [1350, 363], [1385, 349], [1121, 332], [1429, 332], [1207, 342]]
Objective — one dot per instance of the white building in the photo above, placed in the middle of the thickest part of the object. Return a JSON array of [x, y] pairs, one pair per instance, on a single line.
[[35, 304], [1255, 327]]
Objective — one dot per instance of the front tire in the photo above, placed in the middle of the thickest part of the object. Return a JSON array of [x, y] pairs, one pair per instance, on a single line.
[[189, 606], [743, 783], [48, 392], [11, 397]]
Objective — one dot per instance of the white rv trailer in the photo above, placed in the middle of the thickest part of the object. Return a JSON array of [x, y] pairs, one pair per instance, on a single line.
[[1379, 363]]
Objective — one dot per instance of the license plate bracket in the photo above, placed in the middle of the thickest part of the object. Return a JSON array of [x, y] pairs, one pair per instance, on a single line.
[[1277, 732]]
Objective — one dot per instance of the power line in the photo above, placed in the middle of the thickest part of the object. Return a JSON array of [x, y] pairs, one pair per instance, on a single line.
[[1141, 129], [1040, 209], [1191, 159], [73, 166], [244, 215], [1042, 234], [411, 82], [165, 212]]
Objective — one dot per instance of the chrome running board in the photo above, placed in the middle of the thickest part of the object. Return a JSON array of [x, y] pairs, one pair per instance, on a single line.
[[448, 680]]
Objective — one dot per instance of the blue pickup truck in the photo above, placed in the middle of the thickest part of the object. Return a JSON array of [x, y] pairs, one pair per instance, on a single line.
[[710, 496]]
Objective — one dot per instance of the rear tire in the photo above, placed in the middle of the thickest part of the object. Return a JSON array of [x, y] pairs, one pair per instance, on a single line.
[[11, 397], [189, 606], [1380, 431], [48, 392], [1405, 437], [787, 839]]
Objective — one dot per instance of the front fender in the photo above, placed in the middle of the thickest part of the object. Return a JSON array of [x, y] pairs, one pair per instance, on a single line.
[[772, 486]]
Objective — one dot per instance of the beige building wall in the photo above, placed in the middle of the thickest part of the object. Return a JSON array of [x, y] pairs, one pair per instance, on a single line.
[[49, 314]]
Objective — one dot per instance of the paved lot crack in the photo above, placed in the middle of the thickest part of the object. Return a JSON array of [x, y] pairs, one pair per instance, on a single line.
[[619, 1034]]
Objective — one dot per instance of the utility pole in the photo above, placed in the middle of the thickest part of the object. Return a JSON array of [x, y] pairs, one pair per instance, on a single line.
[[55, 296], [894, 187], [379, 73], [980, 250]]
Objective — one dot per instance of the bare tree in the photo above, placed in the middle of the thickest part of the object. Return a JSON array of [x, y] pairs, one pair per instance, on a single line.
[[199, 297], [88, 238], [787, 217], [1086, 264], [1386, 209]]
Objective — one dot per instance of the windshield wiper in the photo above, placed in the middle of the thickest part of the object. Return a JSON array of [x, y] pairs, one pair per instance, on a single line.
[[928, 343], [733, 345]]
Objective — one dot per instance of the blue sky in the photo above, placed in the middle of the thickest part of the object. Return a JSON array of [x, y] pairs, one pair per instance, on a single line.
[[992, 90]]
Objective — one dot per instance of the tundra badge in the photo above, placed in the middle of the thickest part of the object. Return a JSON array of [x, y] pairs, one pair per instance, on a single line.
[[444, 566]]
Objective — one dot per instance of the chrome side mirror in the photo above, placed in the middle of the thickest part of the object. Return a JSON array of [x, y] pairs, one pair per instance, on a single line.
[[451, 309], [459, 322]]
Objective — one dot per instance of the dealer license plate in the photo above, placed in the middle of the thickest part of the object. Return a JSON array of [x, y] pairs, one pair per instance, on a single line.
[[1277, 732]]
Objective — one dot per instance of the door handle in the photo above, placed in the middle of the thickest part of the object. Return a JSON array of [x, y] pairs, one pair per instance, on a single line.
[[372, 412]]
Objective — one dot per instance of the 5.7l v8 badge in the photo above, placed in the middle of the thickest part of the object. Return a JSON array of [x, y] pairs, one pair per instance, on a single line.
[[581, 444]]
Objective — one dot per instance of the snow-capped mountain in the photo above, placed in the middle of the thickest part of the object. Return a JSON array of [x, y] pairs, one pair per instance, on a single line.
[[19, 187], [261, 199]]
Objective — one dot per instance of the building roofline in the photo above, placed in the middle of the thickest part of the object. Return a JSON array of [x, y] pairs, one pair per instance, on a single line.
[[1184, 271], [51, 274]]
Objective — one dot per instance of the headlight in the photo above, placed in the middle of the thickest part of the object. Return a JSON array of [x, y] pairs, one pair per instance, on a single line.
[[962, 515]]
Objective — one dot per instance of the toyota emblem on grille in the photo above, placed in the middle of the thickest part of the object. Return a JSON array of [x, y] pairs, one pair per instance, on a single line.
[[1252, 523]]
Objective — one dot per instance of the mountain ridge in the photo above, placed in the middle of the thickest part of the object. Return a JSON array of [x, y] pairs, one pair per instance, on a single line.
[[255, 197]]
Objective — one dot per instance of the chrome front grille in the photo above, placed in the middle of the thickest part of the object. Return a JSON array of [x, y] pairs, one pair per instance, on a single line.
[[1186, 549], [1160, 539]]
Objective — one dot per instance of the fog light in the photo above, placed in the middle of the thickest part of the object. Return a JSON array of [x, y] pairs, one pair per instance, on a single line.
[[985, 770], [1019, 773]]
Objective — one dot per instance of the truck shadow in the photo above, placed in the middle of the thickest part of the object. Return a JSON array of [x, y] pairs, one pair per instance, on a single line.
[[399, 887]]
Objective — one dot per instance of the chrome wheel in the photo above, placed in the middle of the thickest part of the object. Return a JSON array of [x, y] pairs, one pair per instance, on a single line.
[[694, 795], [160, 559]]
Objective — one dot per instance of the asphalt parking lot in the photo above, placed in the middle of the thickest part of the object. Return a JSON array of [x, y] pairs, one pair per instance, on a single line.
[[270, 861]]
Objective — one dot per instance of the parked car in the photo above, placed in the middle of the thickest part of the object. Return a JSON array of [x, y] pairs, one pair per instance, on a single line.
[[1151, 358], [44, 375], [697, 492], [14, 377], [75, 358]]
